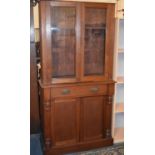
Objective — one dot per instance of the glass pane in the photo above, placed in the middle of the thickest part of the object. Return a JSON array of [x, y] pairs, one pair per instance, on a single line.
[[94, 50], [63, 41]]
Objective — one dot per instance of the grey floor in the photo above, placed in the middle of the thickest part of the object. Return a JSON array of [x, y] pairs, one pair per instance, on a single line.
[[35, 147]]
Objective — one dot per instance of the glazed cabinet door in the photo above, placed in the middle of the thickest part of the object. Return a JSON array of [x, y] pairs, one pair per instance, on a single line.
[[64, 41], [97, 46], [59, 41], [92, 118], [65, 119]]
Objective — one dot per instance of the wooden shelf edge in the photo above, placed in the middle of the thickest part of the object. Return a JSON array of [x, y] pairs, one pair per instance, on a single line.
[[120, 50], [118, 135], [119, 107]]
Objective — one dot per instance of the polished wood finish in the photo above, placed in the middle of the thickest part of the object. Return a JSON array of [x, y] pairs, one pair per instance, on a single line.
[[76, 108], [66, 129], [79, 90], [92, 118], [45, 42]]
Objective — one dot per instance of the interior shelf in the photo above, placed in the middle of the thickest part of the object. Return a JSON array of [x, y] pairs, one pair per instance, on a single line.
[[118, 135], [119, 107], [121, 34], [120, 50], [120, 79], [120, 65]]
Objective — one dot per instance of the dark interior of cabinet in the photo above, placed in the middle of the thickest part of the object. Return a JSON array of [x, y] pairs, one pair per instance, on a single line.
[[63, 41], [94, 50]]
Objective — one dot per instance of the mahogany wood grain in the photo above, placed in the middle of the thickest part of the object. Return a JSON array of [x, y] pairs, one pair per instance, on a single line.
[[45, 42], [79, 91], [71, 105], [46, 116], [111, 39], [92, 118], [66, 129]]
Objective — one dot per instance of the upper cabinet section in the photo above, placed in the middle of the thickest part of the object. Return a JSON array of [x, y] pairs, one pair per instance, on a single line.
[[77, 41]]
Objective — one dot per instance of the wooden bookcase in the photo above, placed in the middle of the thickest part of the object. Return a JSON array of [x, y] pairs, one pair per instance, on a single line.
[[118, 105], [77, 86]]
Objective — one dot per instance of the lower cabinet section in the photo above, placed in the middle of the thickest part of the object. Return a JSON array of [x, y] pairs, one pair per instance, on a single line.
[[78, 124]]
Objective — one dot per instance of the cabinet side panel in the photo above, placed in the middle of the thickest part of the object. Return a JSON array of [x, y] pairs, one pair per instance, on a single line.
[[110, 39], [45, 41]]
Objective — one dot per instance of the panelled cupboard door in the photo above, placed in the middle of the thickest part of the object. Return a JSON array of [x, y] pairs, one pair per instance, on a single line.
[[65, 41], [92, 118], [65, 119], [97, 47]]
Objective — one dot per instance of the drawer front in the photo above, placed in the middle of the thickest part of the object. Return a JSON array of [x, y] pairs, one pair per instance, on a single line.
[[79, 91]]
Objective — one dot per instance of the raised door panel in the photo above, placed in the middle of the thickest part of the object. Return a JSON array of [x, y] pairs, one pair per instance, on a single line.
[[65, 121], [92, 118]]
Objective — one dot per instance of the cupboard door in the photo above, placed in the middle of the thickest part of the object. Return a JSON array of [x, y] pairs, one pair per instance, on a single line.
[[96, 43], [64, 41], [92, 118], [65, 126]]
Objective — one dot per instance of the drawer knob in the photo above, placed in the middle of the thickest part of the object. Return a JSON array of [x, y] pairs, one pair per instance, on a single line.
[[94, 89], [65, 91]]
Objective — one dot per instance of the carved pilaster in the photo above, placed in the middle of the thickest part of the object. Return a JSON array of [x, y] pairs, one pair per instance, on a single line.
[[108, 133], [47, 143], [110, 99], [47, 106]]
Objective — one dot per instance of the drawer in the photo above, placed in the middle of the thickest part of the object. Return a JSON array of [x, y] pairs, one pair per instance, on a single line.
[[91, 90], [63, 91], [79, 91]]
